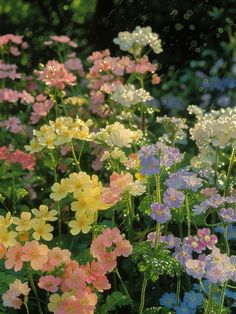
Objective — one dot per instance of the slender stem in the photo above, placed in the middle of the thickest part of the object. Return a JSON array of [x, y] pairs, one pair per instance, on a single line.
[[231, 162], [123, 285], [74, 156], [158, 188], [178, 290], [188, 215], [209, 303], [157, 232], [216, 166], [81, 150], [25, 304], [222, 298], [131, 218], [142, 299], [13, 190], [34, 289]]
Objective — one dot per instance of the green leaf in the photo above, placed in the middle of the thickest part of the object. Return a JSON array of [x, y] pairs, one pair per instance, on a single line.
[[21, 193], [116, 299], [145, 205]]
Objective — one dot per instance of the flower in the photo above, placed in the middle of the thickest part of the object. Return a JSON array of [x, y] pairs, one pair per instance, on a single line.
[[82, 223], [160, 213], [35, 253], [168, 300], [13, 257], [193, 299], [60, 190], [44, 213], [173, 198], [24, 222], [49, 283], [41, 230], [56, 75], [7, 238], [182, 180], [195, 268], [227, 214], [206, 238], [184, 308]]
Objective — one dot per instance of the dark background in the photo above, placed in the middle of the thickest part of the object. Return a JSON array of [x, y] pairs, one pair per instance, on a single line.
[[186, 27]]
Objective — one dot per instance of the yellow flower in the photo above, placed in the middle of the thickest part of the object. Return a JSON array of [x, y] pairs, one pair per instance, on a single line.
[[34, 146], [81, 224], [24, 222], [78, 181], [42, 230], [7, 238], [44, 213], [6, 221], [60, 190]]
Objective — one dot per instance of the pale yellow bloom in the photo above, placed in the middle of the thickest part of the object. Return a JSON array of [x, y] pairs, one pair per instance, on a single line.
[[81, 224], [7, 238], [60, 190], [24, 222], [44, 213], [42, 230], [7, 220]]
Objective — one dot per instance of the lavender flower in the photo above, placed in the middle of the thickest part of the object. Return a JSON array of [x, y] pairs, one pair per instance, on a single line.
[[227, 214], [149, 166], [184, 180], [173, 198], [195, 268], [160, 213]]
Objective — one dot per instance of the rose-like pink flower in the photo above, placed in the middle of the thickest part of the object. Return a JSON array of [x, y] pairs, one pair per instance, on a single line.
[[206, 238], [49, 283], [35, 253], [13, 257]]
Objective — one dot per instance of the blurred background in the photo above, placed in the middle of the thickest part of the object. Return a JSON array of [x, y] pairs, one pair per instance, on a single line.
[[198, 63]]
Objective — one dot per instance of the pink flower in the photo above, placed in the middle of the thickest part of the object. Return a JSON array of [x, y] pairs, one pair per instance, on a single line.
[[13, 124], [206, 238], [11, 297], [74, 64], [56, 75], [49, 283], [13, 257], [110, 236], [123, 248], [57, 256], [35, 253]]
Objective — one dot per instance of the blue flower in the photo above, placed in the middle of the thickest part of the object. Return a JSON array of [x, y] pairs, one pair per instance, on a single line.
[[168, 300], [193, 299], [184, 309]]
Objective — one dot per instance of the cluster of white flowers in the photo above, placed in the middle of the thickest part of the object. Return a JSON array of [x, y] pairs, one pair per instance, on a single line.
[[137, 188], [174, 128], [117, 135], [139, 38], [114, 154], [127, 95], [217, 128]]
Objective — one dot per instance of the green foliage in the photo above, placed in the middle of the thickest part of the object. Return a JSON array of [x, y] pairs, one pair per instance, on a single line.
[[145, 205], [116, 299], [152, 310], [155, 262]]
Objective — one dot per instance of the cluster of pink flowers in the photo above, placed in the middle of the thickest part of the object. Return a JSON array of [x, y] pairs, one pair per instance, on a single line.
[[12, 124], [108, 246], [118, 185], [62, 40], [13, 42], [11, 95], [12, 297], [61, 272], [40, 108], [55, 75], [8, 71], [26, 161]]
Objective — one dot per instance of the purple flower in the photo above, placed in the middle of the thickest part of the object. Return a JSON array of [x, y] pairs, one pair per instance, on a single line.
[[215, 201], [207, 239], [194, 244], [183, 254], [184, 180], [173, 198], [160, 213], [149, 166], [195, 268], [171, 241], [169, 156], [147, 151], [227, 214], [201, 208]]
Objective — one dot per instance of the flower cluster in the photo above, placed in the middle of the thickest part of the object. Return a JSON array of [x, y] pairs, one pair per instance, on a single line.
[[61, 131], [87, 193], [55, 74], [12, 297], [12, 43], [12, 96], [157, 156], [128, 96], [117, 135], [41, 108], [26, 161], [139, 38]]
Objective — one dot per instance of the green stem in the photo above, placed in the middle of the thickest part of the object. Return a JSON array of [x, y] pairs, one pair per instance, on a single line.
[[34, 289], [188, 215], [81, 150], [222, 298], [26, 306], [216, 165], [74, 156], [142, 298], [178, 290], [209, 303], [231, 162], [131, 218], [13, 190], [123, 285]]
